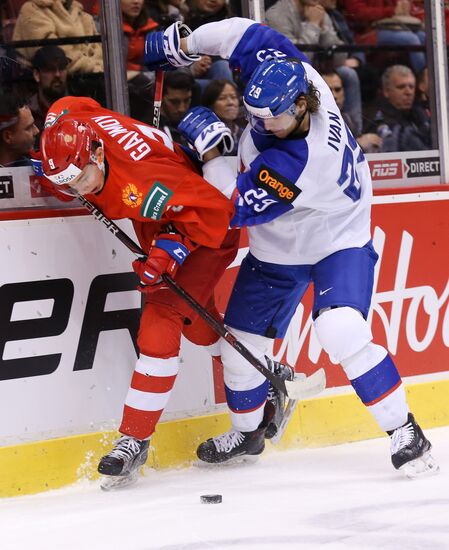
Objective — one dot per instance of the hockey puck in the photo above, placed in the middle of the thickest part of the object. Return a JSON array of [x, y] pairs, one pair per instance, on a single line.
[[211, 499]]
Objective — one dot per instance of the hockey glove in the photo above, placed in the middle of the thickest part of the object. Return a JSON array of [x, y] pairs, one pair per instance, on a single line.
[[204, 130], [163, 49], [167, 253]]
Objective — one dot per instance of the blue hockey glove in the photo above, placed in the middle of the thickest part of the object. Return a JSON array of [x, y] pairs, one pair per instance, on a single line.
[[163, 49], [204, 130]]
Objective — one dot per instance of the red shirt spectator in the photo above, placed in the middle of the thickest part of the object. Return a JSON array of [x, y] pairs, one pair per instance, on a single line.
[[417, 10], [136, 25], [136, 43], [362, 13]]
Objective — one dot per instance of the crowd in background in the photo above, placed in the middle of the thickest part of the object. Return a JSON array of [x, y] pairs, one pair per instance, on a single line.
[[383, 94]]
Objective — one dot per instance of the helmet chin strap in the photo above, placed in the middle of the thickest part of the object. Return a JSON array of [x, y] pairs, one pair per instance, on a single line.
[[299, 120]]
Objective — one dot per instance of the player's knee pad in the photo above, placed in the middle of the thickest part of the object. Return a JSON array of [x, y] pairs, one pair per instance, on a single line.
[[342, 332], [202, 334], [237, 370], [160, 331]]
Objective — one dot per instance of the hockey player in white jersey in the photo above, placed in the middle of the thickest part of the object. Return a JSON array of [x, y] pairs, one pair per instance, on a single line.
[[304, 191]]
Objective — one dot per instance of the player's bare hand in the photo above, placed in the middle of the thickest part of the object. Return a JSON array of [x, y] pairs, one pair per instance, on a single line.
[[352, 62], [370, 143]]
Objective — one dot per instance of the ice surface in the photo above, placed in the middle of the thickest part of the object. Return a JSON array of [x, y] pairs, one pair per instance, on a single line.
[[342, 497]]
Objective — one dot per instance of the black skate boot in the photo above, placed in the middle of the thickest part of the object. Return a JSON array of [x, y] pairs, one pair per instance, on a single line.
[[232, 445], [121, 465], [410, 450], [275, 406]]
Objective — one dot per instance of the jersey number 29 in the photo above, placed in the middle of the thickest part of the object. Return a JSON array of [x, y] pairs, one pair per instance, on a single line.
[[349, 169]]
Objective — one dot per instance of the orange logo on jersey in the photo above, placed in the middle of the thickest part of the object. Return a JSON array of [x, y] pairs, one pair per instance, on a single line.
[[277, 185], [131, 196]]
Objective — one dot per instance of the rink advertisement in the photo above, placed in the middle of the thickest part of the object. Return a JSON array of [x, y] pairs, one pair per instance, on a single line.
[[69, 314], [19, 188], [68, 322], [405, 169], [410, 306]]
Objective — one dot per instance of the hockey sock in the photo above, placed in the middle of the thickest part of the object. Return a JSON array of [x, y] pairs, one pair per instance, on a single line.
[[148, 395]]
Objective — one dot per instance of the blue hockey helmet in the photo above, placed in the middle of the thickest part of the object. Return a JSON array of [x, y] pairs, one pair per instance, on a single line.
[[274, 87]]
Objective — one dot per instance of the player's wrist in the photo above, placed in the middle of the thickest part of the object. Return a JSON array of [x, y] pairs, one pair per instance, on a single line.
[[211, 155], [183, 46]]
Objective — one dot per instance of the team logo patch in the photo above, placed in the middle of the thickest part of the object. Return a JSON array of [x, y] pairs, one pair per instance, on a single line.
[[154, 203], [276, 185], [131, 196]]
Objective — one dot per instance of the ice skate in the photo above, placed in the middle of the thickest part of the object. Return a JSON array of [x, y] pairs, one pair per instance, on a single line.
[[410, 450], [275, 406], [121, 466], [232, 446]]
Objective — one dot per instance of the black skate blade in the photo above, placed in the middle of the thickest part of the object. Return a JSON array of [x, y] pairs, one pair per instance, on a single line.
[[236, 461], [300, 388], [114, 483], [288, 413], [423, 466]]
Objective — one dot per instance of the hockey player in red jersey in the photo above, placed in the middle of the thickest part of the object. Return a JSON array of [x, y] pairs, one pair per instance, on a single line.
[[131, 170]]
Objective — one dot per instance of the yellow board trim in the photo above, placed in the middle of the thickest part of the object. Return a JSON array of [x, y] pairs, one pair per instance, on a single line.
[[43, 465]]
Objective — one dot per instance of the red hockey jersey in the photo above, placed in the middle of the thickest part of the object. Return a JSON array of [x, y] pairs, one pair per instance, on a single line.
[[149, 178]]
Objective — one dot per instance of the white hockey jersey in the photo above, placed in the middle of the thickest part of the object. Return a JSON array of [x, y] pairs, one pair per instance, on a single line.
[[301, 198]]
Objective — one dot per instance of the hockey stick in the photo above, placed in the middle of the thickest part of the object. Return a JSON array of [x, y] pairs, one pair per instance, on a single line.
[[158, 87], [293, 389]]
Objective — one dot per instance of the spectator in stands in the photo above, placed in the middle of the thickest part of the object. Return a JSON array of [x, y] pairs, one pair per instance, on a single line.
[[50, 73], [222, 97], [306, 22], [208, 68], [166, 12], [17, 132], [341, 27], [136, 25], [418, 10], [206, 11], [403, 125], [180, 5], [11, 71], [370, 142], [387, 22], [422, 90], [41, 19], [176, 101]]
